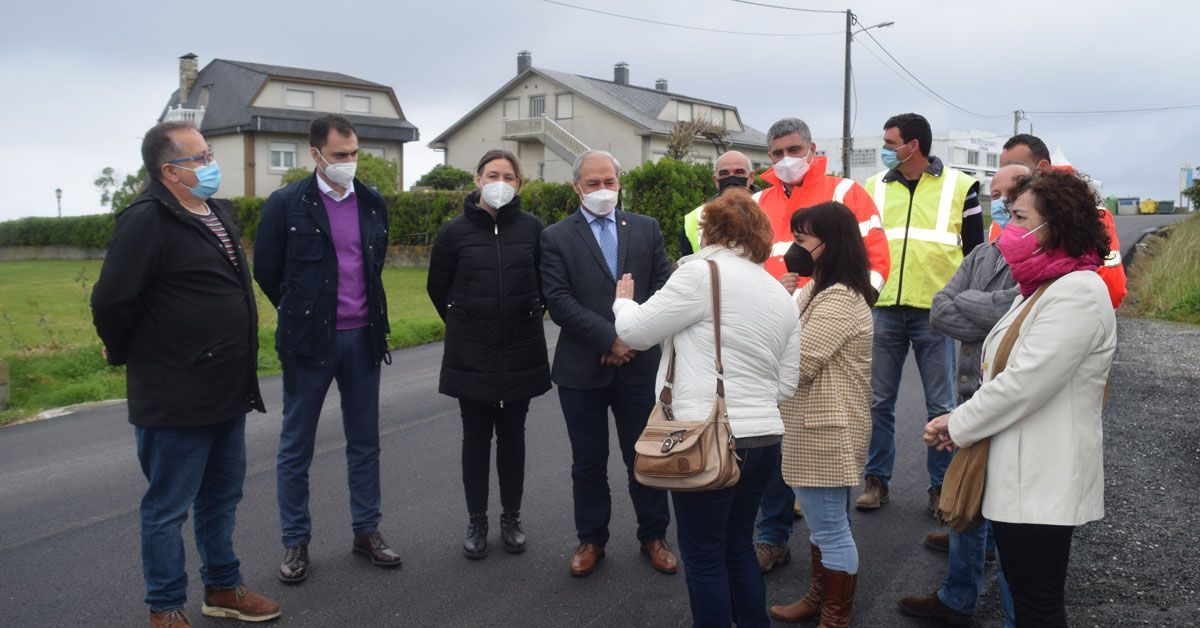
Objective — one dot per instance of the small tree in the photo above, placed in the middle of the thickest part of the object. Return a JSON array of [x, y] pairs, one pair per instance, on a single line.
[[1193, 195], [118, 196], [446, 177], [667, 190], [684, 134], [377, 172]]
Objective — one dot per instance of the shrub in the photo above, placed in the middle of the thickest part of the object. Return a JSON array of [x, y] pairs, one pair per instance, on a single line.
[[550, 202], [667, 190], [246, 210], [85, 232], [414, 217], [445, 177]]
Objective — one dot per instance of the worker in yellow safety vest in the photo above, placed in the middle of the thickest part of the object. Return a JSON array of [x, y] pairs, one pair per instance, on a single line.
[[932, 218]]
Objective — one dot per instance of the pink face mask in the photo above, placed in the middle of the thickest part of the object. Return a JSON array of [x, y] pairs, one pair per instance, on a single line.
[[1017, 245]]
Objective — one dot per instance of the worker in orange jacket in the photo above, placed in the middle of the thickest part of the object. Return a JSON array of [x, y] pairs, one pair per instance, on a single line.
[[1030, 150]]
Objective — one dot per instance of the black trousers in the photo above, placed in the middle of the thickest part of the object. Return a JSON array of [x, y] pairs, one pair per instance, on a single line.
[[480, 419], [1034, 558]]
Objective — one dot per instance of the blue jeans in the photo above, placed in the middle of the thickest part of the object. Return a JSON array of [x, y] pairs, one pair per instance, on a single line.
[[586, 414], [349, 362], [827, 511], [895, 329], [964, 580], [776, 515], [198, 467], [716, 543]]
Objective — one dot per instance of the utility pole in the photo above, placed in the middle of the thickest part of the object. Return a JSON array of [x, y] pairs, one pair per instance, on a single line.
[[847, 141], [1018, 115]]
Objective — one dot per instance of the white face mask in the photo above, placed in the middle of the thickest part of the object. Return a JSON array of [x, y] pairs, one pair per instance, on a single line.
[[342, 174], [497, 194], [792, 169], [601, 202]]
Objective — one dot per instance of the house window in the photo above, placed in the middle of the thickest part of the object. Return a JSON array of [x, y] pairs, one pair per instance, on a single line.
[[684, 112], [717, 118], [973, 157], [283, 155], [959, 156], [202, 99], [537, 106], [564, 106], [356, 104], [862, 157], [993, 160], [299, 99], [376, 151], [511, 109]]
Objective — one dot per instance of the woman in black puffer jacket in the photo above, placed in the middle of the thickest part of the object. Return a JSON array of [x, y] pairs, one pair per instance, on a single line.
[[483, 280]]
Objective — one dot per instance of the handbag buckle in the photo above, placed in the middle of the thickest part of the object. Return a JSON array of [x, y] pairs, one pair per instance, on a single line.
[[670, 441]]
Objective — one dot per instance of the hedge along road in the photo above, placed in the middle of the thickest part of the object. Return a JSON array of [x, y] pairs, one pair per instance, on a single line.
[[69, 491]]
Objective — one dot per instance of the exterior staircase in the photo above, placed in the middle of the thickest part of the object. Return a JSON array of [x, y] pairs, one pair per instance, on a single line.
[[549, 133]]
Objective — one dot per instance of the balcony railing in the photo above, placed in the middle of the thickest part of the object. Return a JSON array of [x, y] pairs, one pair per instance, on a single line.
[[179, 114], [548, 132]]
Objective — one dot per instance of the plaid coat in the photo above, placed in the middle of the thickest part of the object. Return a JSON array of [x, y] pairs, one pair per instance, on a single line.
[[827, 423]]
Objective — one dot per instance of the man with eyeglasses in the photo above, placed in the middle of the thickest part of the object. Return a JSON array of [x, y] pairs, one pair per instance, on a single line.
[[174, 303], [318, 257]]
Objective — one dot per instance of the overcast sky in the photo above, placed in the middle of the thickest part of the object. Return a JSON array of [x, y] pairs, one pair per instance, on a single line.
[[81, 81]]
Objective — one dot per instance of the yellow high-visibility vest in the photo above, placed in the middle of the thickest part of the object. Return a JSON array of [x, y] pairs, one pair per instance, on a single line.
[[924, 232]]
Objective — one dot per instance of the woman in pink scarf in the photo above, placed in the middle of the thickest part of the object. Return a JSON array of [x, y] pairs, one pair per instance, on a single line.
[[1041, 410]]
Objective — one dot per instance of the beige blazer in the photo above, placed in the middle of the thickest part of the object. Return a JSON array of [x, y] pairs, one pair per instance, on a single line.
[[1046, 459], [827, 423]]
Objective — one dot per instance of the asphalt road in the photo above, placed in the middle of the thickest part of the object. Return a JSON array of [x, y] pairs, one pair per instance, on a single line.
[[70, 486]]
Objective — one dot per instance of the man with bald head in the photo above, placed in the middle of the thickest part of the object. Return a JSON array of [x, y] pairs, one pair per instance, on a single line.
[[977, 296], [732, 170]]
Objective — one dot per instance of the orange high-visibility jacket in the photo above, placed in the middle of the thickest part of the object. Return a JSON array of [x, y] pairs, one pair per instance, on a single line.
[[1113, 270], [817, 188]]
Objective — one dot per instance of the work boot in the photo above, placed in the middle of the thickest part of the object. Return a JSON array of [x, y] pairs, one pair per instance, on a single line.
[[771, 556], [169, 619], [938, 541], [932, 607], [839, 598], [809, 606], [875, 494], [475, 547], [238, 603], [935, 499], [511, 533]]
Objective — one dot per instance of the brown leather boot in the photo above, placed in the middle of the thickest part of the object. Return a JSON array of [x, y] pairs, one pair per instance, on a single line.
[[839, 598], [169, 619], [238, 603], [874, 495], [809, 607]]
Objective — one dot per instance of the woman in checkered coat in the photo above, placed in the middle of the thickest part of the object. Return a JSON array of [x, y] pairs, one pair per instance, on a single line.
[[828, 421]]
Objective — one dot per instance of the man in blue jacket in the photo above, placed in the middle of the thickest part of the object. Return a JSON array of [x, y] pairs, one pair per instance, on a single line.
[[318, 257]]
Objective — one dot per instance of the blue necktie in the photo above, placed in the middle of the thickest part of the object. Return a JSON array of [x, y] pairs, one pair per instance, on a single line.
[[608, 245]]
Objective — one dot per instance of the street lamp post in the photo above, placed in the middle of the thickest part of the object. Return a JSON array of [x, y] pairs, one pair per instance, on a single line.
[[58, 195], [847, 141]]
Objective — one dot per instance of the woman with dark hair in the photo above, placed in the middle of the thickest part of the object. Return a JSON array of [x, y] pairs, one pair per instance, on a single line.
[[483, 280], [759, 350], [828, 420], [1041, 408]]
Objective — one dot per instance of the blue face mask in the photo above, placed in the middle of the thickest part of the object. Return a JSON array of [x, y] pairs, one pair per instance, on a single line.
[[208, 180], [889, 158], [1000, 214]]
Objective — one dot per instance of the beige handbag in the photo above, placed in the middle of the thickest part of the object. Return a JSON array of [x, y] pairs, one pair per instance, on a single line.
[[961, 505], [680, 455]]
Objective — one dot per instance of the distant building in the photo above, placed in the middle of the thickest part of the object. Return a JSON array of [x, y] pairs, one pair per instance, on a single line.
[[256, 117], [549, 118], [974, 152]]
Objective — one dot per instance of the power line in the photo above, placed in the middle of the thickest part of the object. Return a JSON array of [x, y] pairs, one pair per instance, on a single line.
[[1112, 111], [685, 26], [778, 6]]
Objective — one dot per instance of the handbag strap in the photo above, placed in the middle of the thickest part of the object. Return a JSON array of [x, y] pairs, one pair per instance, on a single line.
[[665, 395], [1010, 336]]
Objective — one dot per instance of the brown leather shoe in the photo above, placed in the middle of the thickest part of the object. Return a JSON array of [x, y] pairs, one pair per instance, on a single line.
[[935, 499], [374, 547], [295, 564], [809, 606], [932, 607], [874, 495], [839, 598], [938, 541], [238, 603], [586, 559], [660, 555], [169, 619], [771, 556]]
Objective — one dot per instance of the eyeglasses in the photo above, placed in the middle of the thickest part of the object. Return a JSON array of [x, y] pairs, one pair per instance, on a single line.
[[204, 158]]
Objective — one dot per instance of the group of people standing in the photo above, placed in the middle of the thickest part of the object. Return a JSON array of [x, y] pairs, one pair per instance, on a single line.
[[824, 286]]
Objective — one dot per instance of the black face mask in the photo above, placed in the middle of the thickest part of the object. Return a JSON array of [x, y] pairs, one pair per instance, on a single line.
[[731, 182], [799, 260]]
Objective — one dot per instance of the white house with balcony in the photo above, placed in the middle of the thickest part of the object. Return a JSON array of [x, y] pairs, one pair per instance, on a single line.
[[255, 118], [549, 118], [974, 152]]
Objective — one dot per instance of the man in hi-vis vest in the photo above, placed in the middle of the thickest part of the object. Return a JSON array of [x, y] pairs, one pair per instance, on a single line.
[[932, 218]]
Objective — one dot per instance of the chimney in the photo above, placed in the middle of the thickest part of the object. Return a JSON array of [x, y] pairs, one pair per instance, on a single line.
[[621, 73], [188, 69], [661, 85], [524, 61]]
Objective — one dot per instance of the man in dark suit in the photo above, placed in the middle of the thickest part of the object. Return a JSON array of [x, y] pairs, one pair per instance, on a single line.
[[582, 256]]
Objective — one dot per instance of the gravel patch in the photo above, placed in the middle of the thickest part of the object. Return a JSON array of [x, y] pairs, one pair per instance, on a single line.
[[1140, 565]]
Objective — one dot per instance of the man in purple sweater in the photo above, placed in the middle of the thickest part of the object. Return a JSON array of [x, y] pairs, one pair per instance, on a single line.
[[318, 257]]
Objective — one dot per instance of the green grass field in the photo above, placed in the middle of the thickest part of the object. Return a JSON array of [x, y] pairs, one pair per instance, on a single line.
[[1165, 280], [47, 338]]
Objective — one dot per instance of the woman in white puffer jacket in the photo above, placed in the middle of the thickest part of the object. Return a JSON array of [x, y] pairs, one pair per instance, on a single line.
[[760, 348]]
